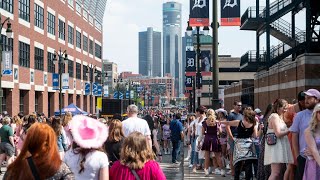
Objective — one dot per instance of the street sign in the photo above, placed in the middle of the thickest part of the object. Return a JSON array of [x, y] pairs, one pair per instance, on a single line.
[[115, 95], [65, 80], [55, 81], [87, 88], [6, 63]]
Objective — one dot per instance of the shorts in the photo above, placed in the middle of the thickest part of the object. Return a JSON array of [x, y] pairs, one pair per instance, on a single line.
[[223, 141], [6, 148]]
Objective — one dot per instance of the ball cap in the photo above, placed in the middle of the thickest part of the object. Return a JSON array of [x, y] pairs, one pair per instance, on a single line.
[[257, 110], [313, 92]]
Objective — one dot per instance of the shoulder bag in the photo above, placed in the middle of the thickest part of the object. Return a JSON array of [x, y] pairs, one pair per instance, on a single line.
[[271, 138], [135, 174]]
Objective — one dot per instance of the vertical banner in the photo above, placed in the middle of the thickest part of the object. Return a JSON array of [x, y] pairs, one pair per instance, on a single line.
[[95, 89], [230, 13], [190, 63], [65, 80], [55, 81], [99, 93], [205, 63], [199, 81], [199, 13], [6, 63], [87, 88], [105, 91], [189, 82]]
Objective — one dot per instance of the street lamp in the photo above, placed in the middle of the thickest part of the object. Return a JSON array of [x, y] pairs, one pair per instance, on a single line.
[[63, 59], [9, 35]]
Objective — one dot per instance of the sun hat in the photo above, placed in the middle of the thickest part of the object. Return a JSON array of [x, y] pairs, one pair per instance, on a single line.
[[313, 92], [88, 132], [222, 110]]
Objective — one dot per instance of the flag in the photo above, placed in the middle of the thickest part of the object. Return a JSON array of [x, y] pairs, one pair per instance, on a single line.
[[230, 13], [199, 13]]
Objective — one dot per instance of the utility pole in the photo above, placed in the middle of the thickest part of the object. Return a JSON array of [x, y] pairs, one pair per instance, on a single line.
[[215, 58]]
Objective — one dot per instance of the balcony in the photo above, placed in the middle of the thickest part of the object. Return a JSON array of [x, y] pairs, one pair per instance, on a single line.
[[249, 20]]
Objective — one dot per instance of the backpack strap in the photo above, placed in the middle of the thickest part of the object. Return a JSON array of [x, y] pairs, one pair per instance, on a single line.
[[33, 168], [135, 174]]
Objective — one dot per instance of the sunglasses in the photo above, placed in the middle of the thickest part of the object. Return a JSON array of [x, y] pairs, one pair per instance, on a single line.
[[239, 105]]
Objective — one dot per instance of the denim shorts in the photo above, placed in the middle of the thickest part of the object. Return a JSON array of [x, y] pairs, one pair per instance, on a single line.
[[6, 148]]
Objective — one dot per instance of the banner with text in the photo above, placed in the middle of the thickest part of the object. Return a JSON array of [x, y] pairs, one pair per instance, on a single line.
[[6, 63], [55, 81], [230, 13], [87, 88], [190, 63], [199, 13], [65, 80], [189, 82]]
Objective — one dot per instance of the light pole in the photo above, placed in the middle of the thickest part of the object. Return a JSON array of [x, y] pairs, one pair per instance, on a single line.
[[198, 52], [60, 61], [9, 35], [90, 72]]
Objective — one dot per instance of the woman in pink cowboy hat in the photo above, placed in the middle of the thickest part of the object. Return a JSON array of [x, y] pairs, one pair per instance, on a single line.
[[86, 159]]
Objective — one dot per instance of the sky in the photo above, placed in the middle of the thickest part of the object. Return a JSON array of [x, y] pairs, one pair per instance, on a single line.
[[124, 19]]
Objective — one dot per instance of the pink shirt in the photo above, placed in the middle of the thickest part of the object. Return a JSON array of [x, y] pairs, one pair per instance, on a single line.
[[150, 171]]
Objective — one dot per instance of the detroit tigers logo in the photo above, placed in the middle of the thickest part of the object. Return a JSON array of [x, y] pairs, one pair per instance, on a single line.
[[199, 4], [228, 4]]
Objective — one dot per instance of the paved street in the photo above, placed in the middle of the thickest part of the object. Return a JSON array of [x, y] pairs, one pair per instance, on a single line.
[[174, 172]]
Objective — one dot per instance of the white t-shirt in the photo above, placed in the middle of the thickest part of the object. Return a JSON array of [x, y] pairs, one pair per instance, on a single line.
[[135, 124], [94, 162], [199, 126]]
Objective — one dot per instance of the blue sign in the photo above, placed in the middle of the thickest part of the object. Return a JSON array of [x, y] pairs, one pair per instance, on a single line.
[[115, 95], [87, 88], [55, 81], [99, 92], [6, 63], [95, 89]]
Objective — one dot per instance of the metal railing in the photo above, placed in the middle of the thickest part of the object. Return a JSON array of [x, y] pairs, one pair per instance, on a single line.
[[276, 6], [250, 13], [285, 27], [251, 56]]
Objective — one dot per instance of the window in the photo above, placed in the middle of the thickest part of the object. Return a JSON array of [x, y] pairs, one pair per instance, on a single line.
[[78, 8], [85, 43], [78, 70], [91, 47], [62, 30], [85, 14], [70, 68], [36, 101], [7, 43], [51, 66], [7, 5], [4, 100], [70, 2], [51, 24], [24, 54], [38, 16], [78, 39], [38, 58], [70, 35], [24, 9], [84, 74], [90, 19], [97, 50], [21, 100]]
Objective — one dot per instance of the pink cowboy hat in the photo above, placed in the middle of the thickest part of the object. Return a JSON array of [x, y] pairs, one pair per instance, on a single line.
[[87, 132]]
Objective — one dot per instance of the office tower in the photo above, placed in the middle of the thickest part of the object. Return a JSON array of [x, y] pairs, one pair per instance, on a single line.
[[150, 53], [172, 63]]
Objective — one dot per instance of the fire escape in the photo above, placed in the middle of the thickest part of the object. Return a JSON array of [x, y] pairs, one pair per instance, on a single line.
[[269, 20]]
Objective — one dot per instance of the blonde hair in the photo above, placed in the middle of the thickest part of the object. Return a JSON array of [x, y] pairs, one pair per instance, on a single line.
[[135, 151], [210, 112], [66, 118], [16, 119], [115, 131], [211, 120], [6, 120], [314, 121]]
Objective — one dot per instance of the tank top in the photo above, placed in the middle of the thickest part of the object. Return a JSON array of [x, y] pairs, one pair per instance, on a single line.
[[244, 132]]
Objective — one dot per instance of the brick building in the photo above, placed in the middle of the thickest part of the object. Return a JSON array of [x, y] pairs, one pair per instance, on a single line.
[[42, 28]]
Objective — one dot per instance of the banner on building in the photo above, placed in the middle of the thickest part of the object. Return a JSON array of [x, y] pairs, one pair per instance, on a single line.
[[230, 13], [6, 63], [205, 62], [95, 89], [189, 82], [105, 91], [190, 63], [87, 88], [55, 81], [199, 13], [65, 80]]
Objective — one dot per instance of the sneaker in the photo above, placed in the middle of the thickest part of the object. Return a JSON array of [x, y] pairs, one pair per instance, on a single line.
[[210, 169], [206, 172], [194, 170], [186, 159], [229, 172], [190, 166], [223, 173], [228, 167], [217, 171], [177, 162]]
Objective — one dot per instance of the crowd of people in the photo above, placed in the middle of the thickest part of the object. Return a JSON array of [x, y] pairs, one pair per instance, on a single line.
[[283, 143]]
